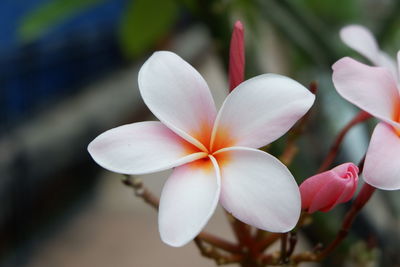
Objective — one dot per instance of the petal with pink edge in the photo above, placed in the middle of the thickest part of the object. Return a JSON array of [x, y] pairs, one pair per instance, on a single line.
[[188, 200], [387, 62], [398, 68], [259, 111], [372, 89], [258, 189], [361, 40], [178, 96], [142, 147], [382, 168]]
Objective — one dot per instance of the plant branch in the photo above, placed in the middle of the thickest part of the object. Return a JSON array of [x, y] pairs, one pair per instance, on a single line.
[[292, 243], [291, 149], [241, 231], [141, 191], [213, 253], [283, 258], [218, 242], [333, 151], [362, 198], [268, 241]]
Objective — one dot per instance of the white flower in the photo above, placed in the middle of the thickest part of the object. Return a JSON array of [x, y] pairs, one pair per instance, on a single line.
[[375, 90], [214, 155]]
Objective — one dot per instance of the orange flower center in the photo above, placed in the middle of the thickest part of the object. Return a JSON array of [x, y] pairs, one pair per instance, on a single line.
[[396, 115], [222, 139]]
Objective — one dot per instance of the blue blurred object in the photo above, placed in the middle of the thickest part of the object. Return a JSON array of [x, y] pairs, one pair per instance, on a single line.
[[70, 54]]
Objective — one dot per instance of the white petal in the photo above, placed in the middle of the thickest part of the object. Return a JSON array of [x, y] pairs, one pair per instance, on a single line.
[[140, 148], [361, 40], [398, 63], [188, 200], [382, 163], [177, 95], [372, 89], [258, 189], [259, 111], [398, 70], [387, 62]]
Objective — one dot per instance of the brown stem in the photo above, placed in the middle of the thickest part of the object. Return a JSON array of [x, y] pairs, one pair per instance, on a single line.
[[292, 243], [363, 196], [266, 242], [291, 149], [283, 258], [142, 192], [218, 242], [360, 117], [212, 253], [241, 231], [289, 153]]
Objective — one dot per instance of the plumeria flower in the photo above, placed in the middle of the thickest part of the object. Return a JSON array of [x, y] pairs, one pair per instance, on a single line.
[[214, 155], [376, 91], [325, 190]]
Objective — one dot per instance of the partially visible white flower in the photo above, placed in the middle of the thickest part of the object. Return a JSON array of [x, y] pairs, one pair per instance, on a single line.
[[376, 90], [363, 41], [214, 155]]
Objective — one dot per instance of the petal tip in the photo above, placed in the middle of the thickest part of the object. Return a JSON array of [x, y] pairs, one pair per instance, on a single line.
[[174, 242], [239, 25]]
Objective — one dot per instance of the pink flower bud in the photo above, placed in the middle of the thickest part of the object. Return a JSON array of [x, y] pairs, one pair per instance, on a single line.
[[236, 56], [325, 190]]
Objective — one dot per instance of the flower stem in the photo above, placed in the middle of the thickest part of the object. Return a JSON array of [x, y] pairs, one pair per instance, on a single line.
[[360, 117], [241, 231], [292, 243], [212, 253], [362, 198], [291, 149], [269, 240], [284, 237], [218, 242], [141, 191]]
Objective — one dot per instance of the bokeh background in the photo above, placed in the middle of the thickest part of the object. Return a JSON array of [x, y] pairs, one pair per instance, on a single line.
[[68, 72]]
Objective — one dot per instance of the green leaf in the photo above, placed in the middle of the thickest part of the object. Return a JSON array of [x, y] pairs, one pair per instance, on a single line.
[[144, 23], [47, 16]]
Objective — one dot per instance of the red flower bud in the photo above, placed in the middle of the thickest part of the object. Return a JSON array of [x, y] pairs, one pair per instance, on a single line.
[[325, 190], [236, 56]]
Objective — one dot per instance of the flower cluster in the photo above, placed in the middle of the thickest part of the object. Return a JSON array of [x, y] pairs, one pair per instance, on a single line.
[[215, 156]]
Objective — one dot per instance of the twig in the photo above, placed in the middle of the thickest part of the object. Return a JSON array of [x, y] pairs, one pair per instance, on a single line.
[[269, 240], [241, 231], [142, 192], [213, 253], [283, 258], [362, 198], [360, 117], [291, 149], [292, 243], [218, 242], [269, 259]]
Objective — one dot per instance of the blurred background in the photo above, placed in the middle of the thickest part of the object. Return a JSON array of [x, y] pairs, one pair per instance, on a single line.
[[68, 72]]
